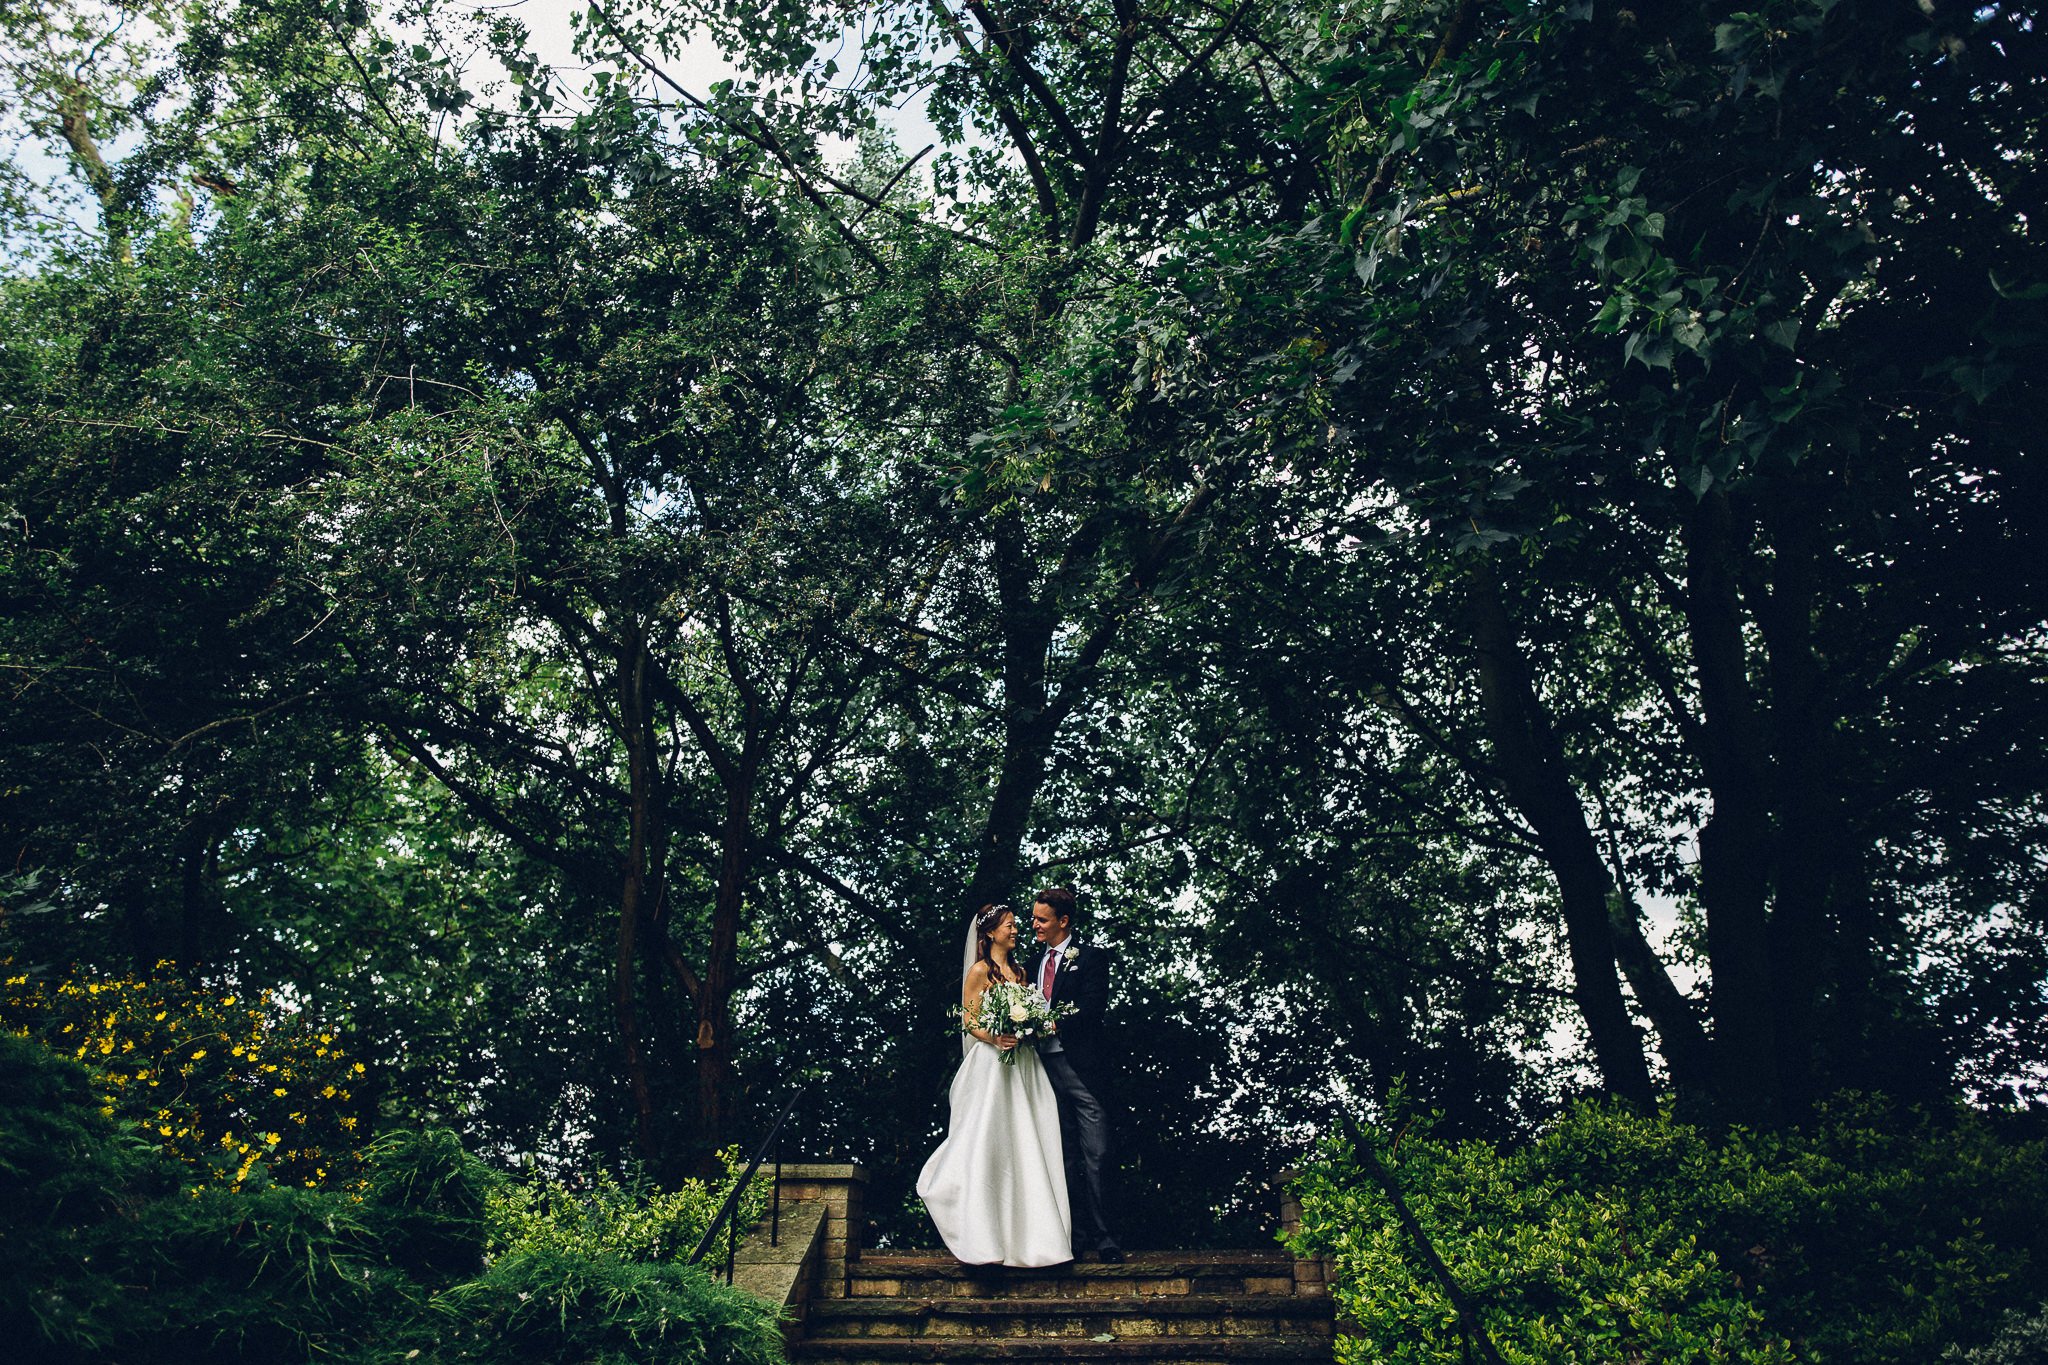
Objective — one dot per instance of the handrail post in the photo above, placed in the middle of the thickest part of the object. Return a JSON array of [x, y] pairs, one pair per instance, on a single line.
[[728, 1212]]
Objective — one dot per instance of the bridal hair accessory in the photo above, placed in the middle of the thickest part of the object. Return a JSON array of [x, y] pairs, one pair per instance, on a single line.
[[979, 924]]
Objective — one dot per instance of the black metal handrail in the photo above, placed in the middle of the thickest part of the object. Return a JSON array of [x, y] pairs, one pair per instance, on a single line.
[[728, 1212]]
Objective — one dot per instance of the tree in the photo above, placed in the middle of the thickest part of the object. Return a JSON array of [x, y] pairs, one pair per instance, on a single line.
[[1594, 333]]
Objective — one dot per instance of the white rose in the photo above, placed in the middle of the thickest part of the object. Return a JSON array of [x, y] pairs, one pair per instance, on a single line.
[[1018, 1014]]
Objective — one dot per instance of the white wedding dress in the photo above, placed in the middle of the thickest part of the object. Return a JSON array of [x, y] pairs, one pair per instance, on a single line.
[[997, 1186]]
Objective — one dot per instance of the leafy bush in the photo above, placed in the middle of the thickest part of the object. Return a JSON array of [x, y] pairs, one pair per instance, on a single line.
[[2021, 1339], [609, 1217], [108, 1254], [1881, 1234], [554, 1303], [65, 1171], [1868, 1236], [217, 1080]]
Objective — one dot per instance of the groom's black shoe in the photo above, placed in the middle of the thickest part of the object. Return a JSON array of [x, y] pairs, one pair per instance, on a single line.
[[1111, 1254]]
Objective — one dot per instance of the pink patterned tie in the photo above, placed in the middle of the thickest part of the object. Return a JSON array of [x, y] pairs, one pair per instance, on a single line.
[[1052, 962]]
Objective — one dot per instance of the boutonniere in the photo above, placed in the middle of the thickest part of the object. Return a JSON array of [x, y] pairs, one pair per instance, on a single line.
[[1069, 956]]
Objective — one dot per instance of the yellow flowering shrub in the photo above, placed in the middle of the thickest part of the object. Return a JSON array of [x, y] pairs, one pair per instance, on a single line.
[[218, 1080]]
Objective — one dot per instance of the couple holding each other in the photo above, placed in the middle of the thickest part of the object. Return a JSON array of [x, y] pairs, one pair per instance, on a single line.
[[1025, 1138]]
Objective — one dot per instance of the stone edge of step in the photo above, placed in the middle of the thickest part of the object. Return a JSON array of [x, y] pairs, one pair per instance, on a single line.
[[937, 1264], [1188, 1349], [1069, 1348], [1167, 1305]]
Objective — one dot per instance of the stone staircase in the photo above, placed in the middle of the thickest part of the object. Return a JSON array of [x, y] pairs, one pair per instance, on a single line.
[[856, 1307], [1193, 1307]]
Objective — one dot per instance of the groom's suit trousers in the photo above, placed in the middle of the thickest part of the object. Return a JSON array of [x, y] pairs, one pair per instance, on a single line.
[[1084, 1133]]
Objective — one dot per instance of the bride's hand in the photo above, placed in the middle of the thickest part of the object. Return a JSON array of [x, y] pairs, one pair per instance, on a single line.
[[1005, 1042]]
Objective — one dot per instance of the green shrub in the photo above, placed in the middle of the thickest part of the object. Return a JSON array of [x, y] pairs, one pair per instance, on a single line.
[[2021, 1339], [554, 1303], [107, 1254], [67, 1170], [429, 1201], [609, 1217], [1870, 1236], [1880, 1234]]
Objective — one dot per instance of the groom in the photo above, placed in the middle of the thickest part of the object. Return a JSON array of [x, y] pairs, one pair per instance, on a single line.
[[1077, 973]]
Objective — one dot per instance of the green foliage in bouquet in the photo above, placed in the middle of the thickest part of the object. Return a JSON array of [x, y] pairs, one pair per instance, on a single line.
[[1870, 1235], [108, 1254]]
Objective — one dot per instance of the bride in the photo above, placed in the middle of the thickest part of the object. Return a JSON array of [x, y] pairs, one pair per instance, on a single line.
[[997, 1186]]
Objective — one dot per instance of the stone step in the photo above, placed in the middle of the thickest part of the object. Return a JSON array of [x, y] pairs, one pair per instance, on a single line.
[[935, 1275], [1068, 1318], [1271, 1350]]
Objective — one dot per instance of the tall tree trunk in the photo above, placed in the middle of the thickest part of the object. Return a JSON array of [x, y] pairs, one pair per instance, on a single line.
[[721, 967], [1736, 842], [1027, 738], [1529, 761], [635, 902], [1682, 1042], [203, 922], [1809, 824]]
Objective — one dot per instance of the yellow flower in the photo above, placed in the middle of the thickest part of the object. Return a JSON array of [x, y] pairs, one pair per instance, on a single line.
[[271, 1139], [278, 1091], [328, 1093], [197, 1055]]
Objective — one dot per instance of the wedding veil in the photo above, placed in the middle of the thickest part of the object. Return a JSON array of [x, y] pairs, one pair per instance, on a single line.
[[966, 966]]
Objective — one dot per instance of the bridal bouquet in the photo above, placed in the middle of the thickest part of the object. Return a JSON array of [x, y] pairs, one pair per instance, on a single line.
[[1017, 1009]]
